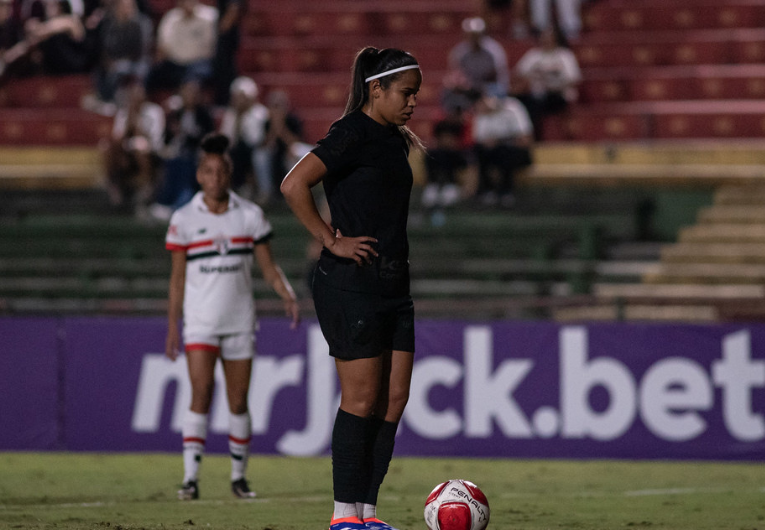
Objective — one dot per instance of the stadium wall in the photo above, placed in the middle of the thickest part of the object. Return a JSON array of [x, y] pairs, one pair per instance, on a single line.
[[491, 389]]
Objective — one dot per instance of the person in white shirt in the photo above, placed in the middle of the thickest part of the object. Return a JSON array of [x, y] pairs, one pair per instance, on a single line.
[[131, 153], [547, 78], [186, 39], [502, 136], [244, 122], [212, 240]]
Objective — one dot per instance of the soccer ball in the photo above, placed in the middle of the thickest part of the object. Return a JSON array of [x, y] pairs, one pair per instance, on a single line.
[[457, 505]]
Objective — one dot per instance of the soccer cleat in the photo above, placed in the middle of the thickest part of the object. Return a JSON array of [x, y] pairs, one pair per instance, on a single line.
[[241, 489], [189, 491], [347, 523], [377, 524]]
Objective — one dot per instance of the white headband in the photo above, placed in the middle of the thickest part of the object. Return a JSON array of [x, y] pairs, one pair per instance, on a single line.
[[389, 72]]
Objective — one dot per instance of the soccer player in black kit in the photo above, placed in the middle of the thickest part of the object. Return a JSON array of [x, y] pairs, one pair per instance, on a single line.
[[361, 282]]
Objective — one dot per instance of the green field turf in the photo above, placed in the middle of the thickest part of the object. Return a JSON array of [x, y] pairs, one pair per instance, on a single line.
[[131, 491]]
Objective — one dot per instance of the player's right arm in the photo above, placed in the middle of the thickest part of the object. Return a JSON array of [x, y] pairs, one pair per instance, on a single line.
[[296, 188], [175, 303]]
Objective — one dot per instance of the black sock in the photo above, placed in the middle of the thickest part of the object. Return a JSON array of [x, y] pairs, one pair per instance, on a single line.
[[349, 460], [383, 440]]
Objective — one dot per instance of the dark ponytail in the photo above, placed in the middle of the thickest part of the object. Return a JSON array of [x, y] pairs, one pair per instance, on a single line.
[[370, 61]]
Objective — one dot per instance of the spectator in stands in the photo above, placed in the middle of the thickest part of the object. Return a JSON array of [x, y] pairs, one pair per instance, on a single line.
[[546, 78], [12, 45], [244, 123], [124, 41], [231, 13], [480, 60], [185, 46], [283, 145], [569, 16], [132, 151], [445, 160], [188, 121], [502, 133], [58, 43]]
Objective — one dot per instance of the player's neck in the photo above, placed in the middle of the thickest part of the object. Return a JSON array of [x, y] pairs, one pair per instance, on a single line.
[[215, 205]]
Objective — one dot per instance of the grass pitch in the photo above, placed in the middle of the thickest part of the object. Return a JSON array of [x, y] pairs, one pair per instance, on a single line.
[[137, 491]]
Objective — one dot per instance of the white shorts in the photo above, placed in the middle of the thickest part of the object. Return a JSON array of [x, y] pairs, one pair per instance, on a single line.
[[234, 347]]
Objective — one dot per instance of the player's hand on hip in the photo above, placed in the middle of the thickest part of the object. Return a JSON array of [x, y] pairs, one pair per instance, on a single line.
[[359, 249]]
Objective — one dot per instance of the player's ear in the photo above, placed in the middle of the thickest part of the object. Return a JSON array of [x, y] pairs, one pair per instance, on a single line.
[[375, 88]]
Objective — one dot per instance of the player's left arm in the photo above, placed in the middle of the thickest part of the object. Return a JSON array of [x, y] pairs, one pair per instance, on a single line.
[[275, 277]]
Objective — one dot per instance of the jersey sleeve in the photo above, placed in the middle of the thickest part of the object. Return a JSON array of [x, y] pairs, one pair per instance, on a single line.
[[340, 147], [261, 229], [176, 239]]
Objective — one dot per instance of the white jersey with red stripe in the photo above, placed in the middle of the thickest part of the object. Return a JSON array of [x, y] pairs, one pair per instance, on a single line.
[[219, 253]]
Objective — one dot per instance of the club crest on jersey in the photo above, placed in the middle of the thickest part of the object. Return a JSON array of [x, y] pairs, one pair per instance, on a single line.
[[221, 245]]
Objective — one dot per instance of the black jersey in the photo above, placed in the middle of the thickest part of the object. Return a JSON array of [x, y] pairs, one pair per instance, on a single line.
[[368, 184]]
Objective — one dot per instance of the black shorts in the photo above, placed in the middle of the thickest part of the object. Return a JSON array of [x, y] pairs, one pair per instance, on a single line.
[[363, 325]]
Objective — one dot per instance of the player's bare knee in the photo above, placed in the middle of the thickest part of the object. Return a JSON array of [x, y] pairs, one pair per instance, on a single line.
[[397, 402], [362, 406]]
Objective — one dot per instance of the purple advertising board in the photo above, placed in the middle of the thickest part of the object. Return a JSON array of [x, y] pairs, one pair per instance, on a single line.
[[29, 383], [491, 389]]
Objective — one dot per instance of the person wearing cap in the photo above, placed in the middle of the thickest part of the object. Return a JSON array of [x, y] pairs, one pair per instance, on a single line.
[[361, 282], [480, 60]]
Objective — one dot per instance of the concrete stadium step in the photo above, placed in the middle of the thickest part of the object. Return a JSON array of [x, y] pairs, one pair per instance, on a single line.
[[714, 253], [699, 163], [740, 195], [638, 313], [657, 164], [666, 175], [49, 168], [723, 233], [707, 152], [732, 214], [698, 292], [711, 273]]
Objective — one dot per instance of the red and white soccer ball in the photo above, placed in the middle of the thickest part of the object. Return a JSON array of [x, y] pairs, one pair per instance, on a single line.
[[457, 505]]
